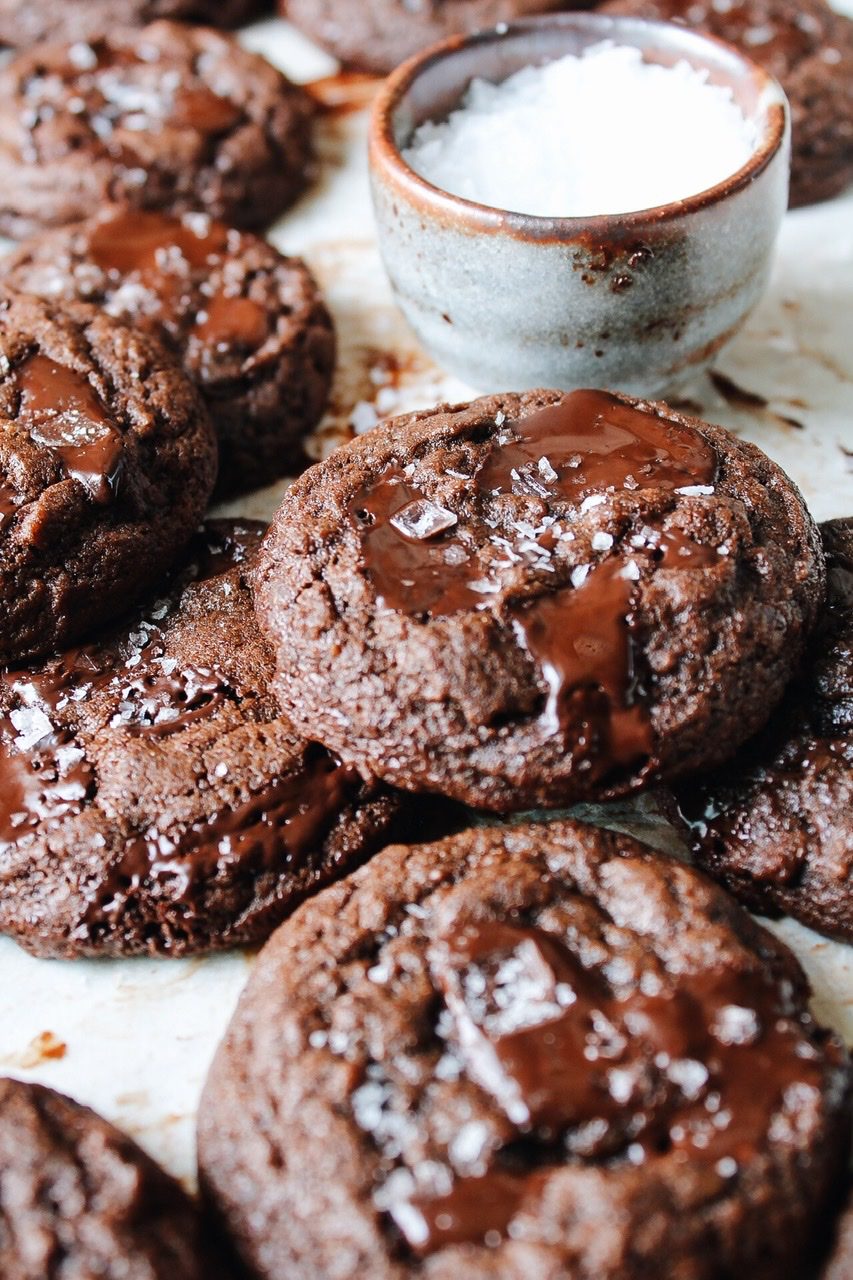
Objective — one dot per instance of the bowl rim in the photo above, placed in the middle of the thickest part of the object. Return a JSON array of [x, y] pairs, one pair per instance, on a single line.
[[385, 156]]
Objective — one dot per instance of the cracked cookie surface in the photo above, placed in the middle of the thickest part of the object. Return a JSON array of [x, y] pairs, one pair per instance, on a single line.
[[524, 1051], [535, 600], [775, 823], [153, 797], [107, 461], [169, 117], [78, 1198]]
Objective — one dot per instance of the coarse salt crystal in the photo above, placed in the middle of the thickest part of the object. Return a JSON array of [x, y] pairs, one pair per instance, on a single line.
[[422, 519], [32, 726], [604, 132]]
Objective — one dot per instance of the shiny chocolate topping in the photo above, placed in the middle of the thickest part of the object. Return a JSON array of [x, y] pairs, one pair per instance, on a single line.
[[284, 823], [586, 446], [160, 251], [586, 1072], [134, 240], [581, 639], [44, 770], [416, 560], [41, 785], [200, 108], [232, 322], [62, 411], [591, 443]]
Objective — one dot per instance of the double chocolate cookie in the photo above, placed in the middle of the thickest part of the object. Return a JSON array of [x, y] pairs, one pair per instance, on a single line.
[[531, 1051], [533, 600], [808, 46], [79, 1199], [169, 117], [776, 824], [24, 23], [107, 461], [152, 796], [380, 35], [248, 324]]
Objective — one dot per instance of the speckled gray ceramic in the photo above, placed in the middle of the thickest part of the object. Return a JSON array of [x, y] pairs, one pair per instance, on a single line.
[[637, 301]]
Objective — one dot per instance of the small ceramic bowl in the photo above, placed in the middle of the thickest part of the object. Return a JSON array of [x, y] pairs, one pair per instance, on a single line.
[[634, 301]]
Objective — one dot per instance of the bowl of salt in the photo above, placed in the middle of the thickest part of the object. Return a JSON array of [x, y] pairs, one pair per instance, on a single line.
[[579, 200]]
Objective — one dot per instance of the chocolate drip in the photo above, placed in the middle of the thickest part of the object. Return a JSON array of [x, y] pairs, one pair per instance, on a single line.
[[557, 1049], [44, 775], [581, 639], [133, 240], [41, 786], [163, 702], [286, 822], [61, 410], [431, 573], [232, 322], [590, 443]]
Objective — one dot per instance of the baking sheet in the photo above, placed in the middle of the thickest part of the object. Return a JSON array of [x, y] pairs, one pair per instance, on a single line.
[[134, 1038]]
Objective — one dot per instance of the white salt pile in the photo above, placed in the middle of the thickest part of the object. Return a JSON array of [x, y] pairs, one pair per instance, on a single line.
[[604, 132]]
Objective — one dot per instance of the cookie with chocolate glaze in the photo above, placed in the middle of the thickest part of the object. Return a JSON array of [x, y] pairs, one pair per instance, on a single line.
[[169, 117], [534, 600], [152, 796], [808, 46], [23, 23], [776, 824], [78, 1198], [107, 461], [524, 1051], [249, 325], [379, 36]]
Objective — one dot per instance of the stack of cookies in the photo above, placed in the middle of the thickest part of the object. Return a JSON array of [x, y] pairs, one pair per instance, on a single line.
[[485, 1038]]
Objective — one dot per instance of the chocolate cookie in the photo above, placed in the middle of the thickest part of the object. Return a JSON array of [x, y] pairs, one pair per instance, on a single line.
[[533, 600], [776, 824], [248, 324], [24, 23], [79, 1199], [169, 117], [107, 460], [536, 1051], [809, 48], [380, 35], [153, 797]]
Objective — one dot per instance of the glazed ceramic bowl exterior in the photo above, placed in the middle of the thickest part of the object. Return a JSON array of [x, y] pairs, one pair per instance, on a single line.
[[635, 301]]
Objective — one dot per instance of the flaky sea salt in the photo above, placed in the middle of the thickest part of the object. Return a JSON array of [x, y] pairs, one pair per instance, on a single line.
[[604, 132]]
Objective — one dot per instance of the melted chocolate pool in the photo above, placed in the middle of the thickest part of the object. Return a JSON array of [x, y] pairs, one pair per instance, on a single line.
[[566, 1058], [587, 446], [61, 410], [158, 250]]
